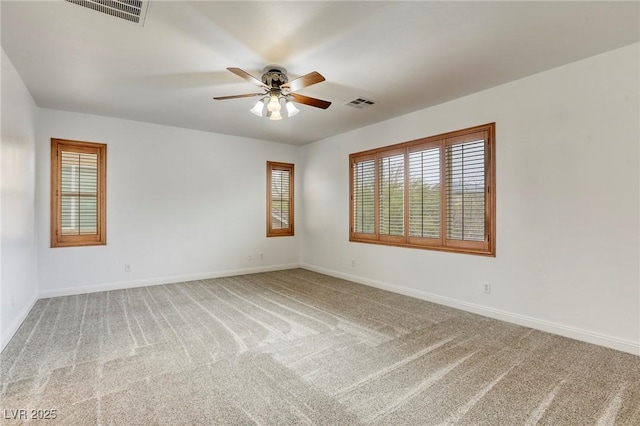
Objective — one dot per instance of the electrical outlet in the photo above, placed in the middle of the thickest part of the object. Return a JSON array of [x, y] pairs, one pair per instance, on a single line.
[[127, 267], [261, 256], [486, 288], [353, 263], [250, 258]]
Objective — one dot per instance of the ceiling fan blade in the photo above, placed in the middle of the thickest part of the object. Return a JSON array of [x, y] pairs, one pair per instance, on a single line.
[[248, 77], [318, 103], [304, 81], [248, 95]]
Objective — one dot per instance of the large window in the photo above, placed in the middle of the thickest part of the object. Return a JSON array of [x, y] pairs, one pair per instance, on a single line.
[[78, 193], [434, 193], [279, 199]]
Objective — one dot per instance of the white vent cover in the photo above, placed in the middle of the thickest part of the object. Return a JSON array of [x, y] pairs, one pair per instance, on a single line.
[[129, 10], [360, 103]]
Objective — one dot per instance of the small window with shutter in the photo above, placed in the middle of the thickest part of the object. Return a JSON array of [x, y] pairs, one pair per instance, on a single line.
[[434, 193], [279, 199], [78, 193]]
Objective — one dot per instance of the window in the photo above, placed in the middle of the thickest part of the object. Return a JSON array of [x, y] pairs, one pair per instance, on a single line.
[[78, 193], [433, 193], [279, 199]]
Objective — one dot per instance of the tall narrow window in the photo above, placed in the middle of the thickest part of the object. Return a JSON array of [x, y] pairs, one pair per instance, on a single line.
[[279, 199], [78, 193], [435, 193]]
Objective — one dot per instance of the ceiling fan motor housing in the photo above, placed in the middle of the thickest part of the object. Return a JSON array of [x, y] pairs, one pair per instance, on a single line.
[[274, 76]]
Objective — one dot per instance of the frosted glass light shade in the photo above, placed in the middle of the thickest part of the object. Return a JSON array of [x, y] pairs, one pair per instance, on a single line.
[[257, 109], [274, 104], [291, 109], [275, 115]]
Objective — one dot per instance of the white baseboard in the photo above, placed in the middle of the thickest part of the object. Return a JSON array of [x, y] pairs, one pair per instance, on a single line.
[[623, 345], [17, 322], [71, 291]]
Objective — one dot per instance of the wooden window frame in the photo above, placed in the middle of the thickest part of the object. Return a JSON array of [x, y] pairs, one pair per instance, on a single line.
[[283, 232], [484, 248], [57, 239]]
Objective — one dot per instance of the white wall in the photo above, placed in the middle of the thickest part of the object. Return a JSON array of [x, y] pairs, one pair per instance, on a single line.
[[567, 204], [18, 285], [181, 204], [568, 181]]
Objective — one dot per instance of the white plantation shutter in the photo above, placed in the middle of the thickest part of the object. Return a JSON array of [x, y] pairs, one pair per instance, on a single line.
[[466, 190], [364, 186], [79, 193], [424, 193], [391, 193], [280, 199]]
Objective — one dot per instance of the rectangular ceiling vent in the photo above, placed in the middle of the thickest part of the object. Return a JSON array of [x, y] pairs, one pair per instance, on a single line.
[[360, 103], [129, 10]]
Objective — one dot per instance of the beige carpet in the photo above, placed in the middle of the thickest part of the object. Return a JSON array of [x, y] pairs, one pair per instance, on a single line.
[[297, 347]]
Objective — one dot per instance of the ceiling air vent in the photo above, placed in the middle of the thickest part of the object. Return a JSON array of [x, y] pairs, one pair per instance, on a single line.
[[129, 10], [360, 103]]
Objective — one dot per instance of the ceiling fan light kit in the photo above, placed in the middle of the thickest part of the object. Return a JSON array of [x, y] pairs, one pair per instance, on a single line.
[[278, 91]]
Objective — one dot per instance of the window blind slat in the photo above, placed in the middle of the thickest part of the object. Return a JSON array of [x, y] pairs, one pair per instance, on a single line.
[[424, 193], [466, 191], [280, 199], [79, 193], [364, 197], [391, 208]]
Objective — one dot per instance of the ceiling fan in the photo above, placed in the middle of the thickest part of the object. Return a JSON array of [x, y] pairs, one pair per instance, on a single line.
[[278, 89]]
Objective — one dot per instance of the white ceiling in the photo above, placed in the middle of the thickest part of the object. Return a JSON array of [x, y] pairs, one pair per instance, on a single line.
[[404, 55]]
